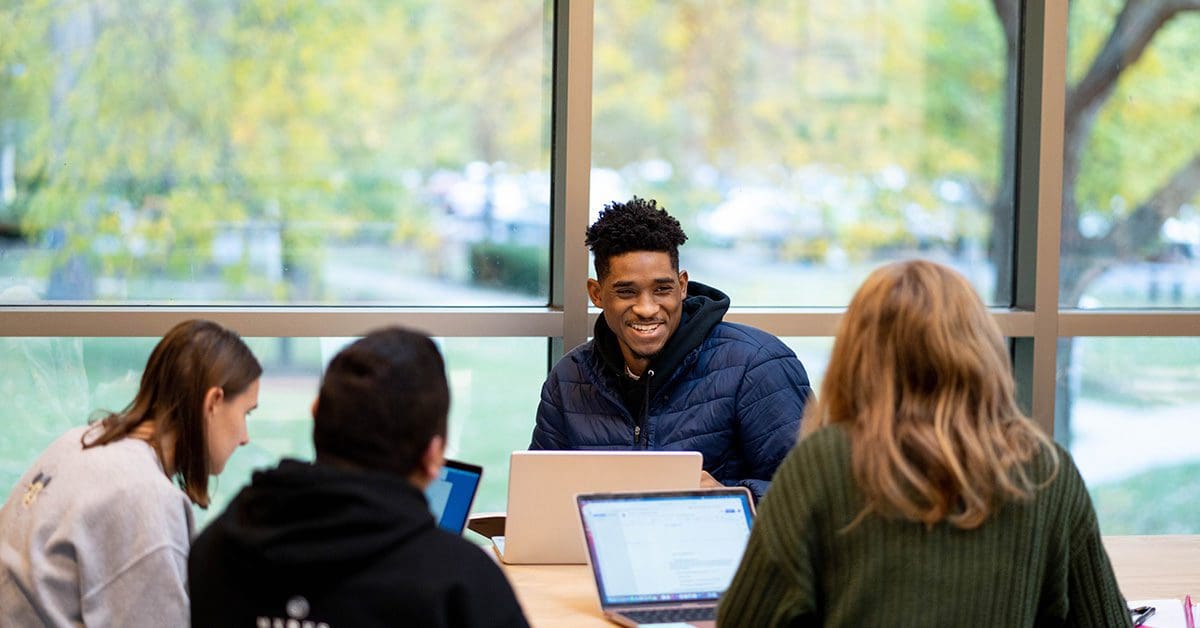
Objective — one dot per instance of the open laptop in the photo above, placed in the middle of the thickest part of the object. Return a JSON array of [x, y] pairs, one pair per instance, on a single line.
[[542, 526], [665, 556], [452, 493]]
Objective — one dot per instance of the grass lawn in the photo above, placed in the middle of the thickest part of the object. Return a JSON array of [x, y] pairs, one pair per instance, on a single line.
[[1161, 501]]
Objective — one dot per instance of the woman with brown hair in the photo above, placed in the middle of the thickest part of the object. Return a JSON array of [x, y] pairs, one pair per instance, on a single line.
[[96, 532], [919, 494]]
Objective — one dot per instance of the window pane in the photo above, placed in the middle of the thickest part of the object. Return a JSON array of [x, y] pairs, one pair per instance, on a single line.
[[1130, 406], [496, 384], [256, 152], [1131, 184], [53, 384], [814, 355], [810, 141]]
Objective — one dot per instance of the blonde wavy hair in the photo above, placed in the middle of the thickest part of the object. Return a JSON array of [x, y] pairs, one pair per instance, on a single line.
[[921, 375]]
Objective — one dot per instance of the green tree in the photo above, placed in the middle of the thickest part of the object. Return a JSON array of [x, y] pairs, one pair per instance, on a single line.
[[148, 135], [766, 94]]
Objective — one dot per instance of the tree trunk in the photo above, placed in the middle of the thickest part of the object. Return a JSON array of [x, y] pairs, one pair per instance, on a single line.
[[71, 277], [1000, 250], [1065, 385]]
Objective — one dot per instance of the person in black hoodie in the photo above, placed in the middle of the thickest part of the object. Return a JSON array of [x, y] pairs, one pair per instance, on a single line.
[[349, 540], [663, 370]]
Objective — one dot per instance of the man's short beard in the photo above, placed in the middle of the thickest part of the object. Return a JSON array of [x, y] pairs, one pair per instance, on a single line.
[[644, 356]]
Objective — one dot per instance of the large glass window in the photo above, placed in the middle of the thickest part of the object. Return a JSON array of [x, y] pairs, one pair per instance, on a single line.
[[1131, 179], [53, 384], [811, 141], [1133, 404], [398, 153], [264, 152]]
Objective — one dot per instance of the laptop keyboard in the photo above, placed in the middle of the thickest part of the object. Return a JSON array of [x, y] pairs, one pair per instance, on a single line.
[[669, 615]]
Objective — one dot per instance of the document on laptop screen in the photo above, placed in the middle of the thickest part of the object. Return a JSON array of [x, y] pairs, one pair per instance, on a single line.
[[666, 548]]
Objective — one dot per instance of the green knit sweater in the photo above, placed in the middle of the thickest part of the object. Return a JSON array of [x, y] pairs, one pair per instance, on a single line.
[[1039, 562]]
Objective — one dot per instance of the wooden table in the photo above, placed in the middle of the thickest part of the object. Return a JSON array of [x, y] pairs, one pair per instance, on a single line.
[[1147, 567], [557, 595], [1150, 567]]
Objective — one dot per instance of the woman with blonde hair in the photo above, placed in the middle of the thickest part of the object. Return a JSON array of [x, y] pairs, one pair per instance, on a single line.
[[919, 494], [97, 531]]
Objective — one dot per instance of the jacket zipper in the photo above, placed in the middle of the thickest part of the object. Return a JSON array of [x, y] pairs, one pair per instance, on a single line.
[[637, 429]]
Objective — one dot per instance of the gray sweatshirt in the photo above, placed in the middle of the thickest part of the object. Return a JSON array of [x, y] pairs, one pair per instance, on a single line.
[[95, 537]]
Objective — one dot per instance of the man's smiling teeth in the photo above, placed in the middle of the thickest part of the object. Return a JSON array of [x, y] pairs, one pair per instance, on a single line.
[[644, 328]]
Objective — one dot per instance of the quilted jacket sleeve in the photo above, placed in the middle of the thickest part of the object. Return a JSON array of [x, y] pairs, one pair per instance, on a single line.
[[548, 431], [770, 403]]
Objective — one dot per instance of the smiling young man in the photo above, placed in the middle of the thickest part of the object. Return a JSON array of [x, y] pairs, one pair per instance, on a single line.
[[663, 371]]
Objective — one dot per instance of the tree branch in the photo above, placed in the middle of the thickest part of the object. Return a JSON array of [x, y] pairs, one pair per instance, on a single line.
[[1141, 229], [1179, 6], [1136, 25], [1071, 293], [513, 39], [1010, 20]]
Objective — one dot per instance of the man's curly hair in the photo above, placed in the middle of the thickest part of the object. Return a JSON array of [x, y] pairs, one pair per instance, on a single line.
[[637, 225]]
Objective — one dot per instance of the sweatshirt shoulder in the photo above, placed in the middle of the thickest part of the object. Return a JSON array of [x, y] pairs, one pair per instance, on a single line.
[[137, 489]]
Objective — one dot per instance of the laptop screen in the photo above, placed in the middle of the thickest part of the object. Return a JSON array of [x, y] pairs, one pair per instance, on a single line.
[[451, 494], [667, 546]]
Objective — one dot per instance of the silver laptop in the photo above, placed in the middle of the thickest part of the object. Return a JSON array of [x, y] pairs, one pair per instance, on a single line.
[[665, 556], [542, 526]]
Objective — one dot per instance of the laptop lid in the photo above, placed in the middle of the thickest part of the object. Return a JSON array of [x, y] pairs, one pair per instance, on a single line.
[[665, 547], [452, 493], [542, 525]]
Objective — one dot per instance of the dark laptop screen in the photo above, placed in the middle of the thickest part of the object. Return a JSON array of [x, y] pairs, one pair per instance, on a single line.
[[451, 494]]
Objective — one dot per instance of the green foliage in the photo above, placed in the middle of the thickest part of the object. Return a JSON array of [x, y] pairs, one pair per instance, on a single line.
[[965, 66], [1089, 24], [517, 267], [862, 239], [808, 250], [183, 118], [756, 93], [1148, 129], [1160, 501], [1139, 372]]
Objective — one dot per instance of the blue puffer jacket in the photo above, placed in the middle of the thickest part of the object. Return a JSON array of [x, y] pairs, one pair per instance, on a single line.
[[731, 392]]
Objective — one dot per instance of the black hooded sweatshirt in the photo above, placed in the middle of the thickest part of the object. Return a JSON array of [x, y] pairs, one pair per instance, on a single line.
[[704, 307], [331, 547]]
